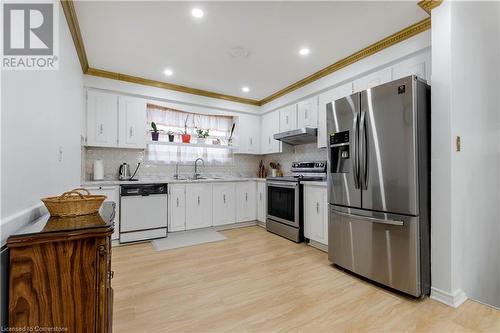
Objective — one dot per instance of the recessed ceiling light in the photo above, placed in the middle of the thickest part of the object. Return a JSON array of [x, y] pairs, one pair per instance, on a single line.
[[197, 12], [168, 72], [245, 89], [305, 51]]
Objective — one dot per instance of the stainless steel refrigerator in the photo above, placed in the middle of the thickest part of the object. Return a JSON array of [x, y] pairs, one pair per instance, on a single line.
[[379, 184]]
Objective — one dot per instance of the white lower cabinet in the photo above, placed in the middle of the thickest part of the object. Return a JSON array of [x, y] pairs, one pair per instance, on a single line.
[[315, 213], [112, 194], [224, 204], [198, 206], [261, 201], [246, 205], [177, 207]]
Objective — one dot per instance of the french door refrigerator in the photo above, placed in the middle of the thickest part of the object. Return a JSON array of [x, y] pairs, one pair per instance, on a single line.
[[379, 184]]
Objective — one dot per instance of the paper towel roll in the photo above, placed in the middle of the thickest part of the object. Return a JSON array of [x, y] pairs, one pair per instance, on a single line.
[[98, 170]]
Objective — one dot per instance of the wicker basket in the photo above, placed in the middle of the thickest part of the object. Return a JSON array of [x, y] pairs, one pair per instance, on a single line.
[[74, 203]]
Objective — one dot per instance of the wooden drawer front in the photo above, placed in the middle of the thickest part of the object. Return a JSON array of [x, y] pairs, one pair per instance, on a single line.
[[53, 285]]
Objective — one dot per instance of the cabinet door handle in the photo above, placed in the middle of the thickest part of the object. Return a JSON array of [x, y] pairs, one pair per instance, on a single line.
[[177, 202], [224, 196], [251, 141], [198, 200], [286, 120], [101, 129], [260, 196], [317, 207], [269, 139], [306, 114], [131, 131], [246, 196]]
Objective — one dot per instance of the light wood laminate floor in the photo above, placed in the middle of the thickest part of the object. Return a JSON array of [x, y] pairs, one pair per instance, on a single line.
[[258, 282]]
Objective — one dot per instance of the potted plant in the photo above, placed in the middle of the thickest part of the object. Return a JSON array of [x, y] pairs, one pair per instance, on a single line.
[[186, 138], [170, 136], [202, 135], [154, 131]]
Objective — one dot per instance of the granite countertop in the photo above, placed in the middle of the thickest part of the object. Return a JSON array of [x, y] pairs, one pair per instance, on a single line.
[[169, 181]]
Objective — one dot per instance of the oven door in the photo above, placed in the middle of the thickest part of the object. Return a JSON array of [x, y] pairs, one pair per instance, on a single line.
[[283, 202]]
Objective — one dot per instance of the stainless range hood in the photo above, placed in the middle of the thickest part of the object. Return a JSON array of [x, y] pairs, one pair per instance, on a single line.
[[299, 136]]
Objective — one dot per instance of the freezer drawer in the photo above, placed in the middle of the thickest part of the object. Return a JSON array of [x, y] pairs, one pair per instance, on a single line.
[[381, 247]]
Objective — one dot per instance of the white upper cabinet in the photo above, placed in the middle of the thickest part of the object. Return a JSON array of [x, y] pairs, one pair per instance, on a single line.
[[248, 134], [102, 119], [198, 206], [419, 66], [315, 214], [270, 126], [324, 99], [288, 118], [177, 207], [373, 80], [224, 204], [246, 206], [307, 113], [261, 201], [115, 121], [132, 122]]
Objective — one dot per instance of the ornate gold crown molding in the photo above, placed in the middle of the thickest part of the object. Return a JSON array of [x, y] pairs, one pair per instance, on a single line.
[[169, 86], [74, 28], [412, 30], [429, 5]]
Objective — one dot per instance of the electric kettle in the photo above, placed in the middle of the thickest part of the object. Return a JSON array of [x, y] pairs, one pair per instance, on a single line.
[[124, 172]]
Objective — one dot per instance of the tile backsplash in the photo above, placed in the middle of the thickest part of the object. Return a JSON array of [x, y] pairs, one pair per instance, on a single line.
[[309, 152], [243, 165]]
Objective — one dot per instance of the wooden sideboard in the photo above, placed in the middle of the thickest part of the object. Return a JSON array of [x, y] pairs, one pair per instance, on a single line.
[[60, 274]]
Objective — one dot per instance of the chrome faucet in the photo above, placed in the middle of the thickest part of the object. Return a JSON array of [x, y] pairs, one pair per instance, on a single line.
[[196, 174], [176, 174]]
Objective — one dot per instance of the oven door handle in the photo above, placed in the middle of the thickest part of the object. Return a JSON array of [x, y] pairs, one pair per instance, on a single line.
[[283, 184]]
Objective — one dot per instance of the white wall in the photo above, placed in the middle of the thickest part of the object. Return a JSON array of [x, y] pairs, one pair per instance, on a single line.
[[41, 112], [465, 215]]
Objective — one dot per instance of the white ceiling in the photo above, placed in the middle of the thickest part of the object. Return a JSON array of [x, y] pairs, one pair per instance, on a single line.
[[143, 38]]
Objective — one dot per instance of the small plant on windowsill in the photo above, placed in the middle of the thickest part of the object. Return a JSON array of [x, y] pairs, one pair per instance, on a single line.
[[202, 135], [186, 138], [155, 133], [171, 136]]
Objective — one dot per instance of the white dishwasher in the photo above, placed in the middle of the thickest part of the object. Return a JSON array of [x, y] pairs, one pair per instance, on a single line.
[[143, 212]]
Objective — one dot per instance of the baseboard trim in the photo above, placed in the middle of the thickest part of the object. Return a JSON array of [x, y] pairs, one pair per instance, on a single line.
[[319, 246], [261, 224], [235, 226], [454, 300]]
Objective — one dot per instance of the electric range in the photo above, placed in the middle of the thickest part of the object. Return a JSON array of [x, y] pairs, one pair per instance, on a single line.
[[285, 199]]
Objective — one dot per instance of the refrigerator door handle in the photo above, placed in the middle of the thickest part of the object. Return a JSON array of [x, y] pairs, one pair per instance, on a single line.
[[355, 164], [371, 219], [363, 152]]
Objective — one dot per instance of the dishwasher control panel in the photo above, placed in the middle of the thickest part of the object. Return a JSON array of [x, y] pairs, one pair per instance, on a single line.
[[142, 189]]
